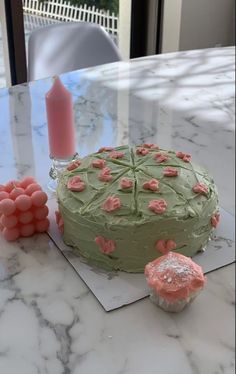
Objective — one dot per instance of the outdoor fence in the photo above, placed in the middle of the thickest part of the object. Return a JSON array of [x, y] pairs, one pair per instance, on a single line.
[[33, 22], [63, 11]]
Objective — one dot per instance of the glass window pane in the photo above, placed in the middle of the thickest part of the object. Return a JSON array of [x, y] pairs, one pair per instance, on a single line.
[[2, 66], [3, 75], [40, 13]]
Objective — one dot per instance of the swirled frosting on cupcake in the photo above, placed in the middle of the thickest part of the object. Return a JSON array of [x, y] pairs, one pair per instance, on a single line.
[[174, 277]]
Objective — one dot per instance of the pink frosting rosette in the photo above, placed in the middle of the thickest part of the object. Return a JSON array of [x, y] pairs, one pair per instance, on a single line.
[[158, 206], [75, 184], [106, 246]]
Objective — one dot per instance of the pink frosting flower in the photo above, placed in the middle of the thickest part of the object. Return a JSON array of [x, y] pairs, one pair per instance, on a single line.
[[105, 149], [215, 219], [106, 245], [74, 165], [59, 221], [152, 185], [165, 246], [150, 146], [160, 157], [142, 151], [105, 175], [100, 164], [170, 172], [200, 188], [116, 154], [111, 204], [75, 184], [184, 156], [126, 183], [158, 206]]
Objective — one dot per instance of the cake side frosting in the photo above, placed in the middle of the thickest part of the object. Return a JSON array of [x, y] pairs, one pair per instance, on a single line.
[[135, 204]]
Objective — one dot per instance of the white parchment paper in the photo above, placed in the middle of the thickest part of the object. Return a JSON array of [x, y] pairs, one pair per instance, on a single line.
[[116, 289]]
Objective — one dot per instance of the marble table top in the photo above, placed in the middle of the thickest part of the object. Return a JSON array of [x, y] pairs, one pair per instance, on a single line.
[[50, 323]]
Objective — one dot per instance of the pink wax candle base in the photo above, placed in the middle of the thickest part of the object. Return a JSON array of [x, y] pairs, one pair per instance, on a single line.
[[23, 209]]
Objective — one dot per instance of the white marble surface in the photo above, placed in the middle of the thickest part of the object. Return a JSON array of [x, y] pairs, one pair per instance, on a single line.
[[49, 322]]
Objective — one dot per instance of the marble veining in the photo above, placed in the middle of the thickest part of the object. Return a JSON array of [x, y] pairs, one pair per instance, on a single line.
[[50, 323]]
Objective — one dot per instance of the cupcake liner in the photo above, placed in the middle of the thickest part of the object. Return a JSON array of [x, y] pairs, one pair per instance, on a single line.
[[174, 306]]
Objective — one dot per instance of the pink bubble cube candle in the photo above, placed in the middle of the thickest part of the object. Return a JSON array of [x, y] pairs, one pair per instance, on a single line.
[[23, 209]]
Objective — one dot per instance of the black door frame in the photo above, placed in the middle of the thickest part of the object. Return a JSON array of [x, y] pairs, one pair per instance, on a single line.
[[139, 27], [16, 41]]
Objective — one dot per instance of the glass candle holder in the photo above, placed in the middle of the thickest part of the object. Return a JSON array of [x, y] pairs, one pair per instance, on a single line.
[[58, 166]]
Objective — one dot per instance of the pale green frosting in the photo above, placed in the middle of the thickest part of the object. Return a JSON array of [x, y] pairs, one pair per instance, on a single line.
[[134, 227]]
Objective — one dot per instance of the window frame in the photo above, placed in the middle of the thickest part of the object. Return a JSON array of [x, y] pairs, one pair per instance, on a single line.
[[16, 41]]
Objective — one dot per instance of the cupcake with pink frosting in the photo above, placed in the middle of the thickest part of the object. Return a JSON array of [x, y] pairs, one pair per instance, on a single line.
[[174, 280]]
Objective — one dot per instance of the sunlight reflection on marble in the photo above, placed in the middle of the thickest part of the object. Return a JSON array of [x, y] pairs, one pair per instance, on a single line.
[[181, 101]]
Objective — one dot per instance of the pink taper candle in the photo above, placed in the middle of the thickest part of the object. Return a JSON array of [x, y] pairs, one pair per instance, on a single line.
[[61, 129]]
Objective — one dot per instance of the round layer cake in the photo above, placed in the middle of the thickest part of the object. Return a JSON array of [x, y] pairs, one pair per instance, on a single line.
[[121, 208]]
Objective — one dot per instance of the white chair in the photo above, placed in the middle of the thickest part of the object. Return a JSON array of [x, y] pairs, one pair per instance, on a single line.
[[68, 46]]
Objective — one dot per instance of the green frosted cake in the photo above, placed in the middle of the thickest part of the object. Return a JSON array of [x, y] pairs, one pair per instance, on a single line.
[[121, 208]]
